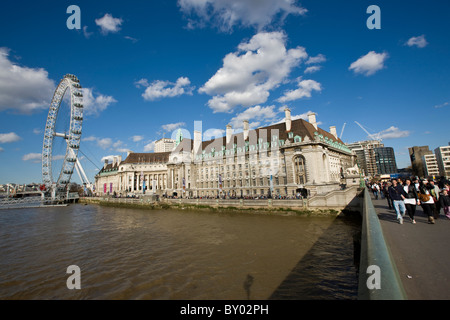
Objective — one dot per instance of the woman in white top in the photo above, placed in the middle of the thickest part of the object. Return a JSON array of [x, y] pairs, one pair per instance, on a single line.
[[412, 200]]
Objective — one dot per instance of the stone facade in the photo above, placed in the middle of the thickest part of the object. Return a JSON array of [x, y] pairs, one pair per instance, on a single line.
[[283, 159]]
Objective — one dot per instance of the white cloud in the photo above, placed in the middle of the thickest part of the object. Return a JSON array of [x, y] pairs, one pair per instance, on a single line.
[[87, 34], [305, 89], [37, 131], [150, 147], [91, 138], [104, 143], [22, 89], [172, 126], [369, 64], [303, 116], [312, 69], [255, 116], [94, 104], [134, 40], [163, 89], [137, 138], [123, 150], [419, 42], [9, 137], [392, 133], [109, 24], [317, 59], [247, 76], [1, 149], [213, 133], [225, 14], [442, 105], [34, 157]]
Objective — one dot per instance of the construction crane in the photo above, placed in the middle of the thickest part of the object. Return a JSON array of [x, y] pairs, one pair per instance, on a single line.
[[368, 133], [342, 132]]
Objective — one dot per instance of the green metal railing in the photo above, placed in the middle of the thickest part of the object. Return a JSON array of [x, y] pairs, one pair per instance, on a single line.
[[375, 252]]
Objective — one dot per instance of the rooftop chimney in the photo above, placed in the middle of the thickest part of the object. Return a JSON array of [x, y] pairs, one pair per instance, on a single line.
[[246, 129], [197, 142], [288, 119], [106, 163], [312, 119], [229, 133], [333, 131]]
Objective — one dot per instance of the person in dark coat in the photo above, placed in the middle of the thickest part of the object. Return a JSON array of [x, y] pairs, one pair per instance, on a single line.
[[444, 200]]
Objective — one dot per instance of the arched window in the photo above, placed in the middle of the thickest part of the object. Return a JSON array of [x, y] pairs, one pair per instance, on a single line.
[[300, 170]]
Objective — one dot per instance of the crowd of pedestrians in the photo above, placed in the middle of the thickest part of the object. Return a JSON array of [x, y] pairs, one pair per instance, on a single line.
[[404, 195]]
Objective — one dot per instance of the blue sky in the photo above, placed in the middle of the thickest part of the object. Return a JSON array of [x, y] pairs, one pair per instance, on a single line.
[[149, 68]]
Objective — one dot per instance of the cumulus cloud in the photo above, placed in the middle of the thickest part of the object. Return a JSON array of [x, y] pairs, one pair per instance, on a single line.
[[248, 75], [317, 59], [172, 126], [369, 64], [392, 133], [105, 143], [150, 147], [305, 89], [9, 137], [419, 42], [165, 89], [95, 103], [34, 157], [255, 116], [22, 89], [213, 133], [109, 24], [312, 69], [226, 14], [137, 138]]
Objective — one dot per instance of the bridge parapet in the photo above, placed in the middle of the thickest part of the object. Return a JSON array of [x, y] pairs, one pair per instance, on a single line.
[[376, 253]]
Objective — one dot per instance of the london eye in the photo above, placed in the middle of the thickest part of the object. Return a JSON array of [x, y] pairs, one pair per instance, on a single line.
[[58, 179]]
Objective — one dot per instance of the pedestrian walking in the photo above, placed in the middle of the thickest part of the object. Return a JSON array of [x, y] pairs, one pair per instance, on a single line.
[[444, 200], [386, 194], [426, 201], [398, 195], [412, 199], [375, 190], [434, 192]]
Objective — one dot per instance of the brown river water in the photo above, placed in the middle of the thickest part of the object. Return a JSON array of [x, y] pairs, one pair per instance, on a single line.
[[175, 255]]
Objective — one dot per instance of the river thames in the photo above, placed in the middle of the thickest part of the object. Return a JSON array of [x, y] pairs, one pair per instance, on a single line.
[[127, 254]]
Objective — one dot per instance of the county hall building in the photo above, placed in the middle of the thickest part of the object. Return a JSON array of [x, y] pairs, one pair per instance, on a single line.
[[283, 159]]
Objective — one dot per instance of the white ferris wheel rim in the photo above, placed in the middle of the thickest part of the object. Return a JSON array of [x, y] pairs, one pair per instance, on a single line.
[[73, 137]]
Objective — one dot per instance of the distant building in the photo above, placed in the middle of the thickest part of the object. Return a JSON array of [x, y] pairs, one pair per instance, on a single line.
[[430, 165], [385, 160], [164, 145], [443, 160], [366, 157], [416, 155]]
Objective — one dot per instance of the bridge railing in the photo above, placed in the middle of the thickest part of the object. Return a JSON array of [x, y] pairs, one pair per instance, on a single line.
[[378, 276]]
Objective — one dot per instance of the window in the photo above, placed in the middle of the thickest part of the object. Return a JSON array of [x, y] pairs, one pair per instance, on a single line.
[[300, 170]]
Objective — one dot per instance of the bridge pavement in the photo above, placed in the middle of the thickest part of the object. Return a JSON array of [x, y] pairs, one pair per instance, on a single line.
[[420, 251]]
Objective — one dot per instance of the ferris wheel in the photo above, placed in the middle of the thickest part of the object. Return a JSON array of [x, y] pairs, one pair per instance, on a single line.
[[71, 84]]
